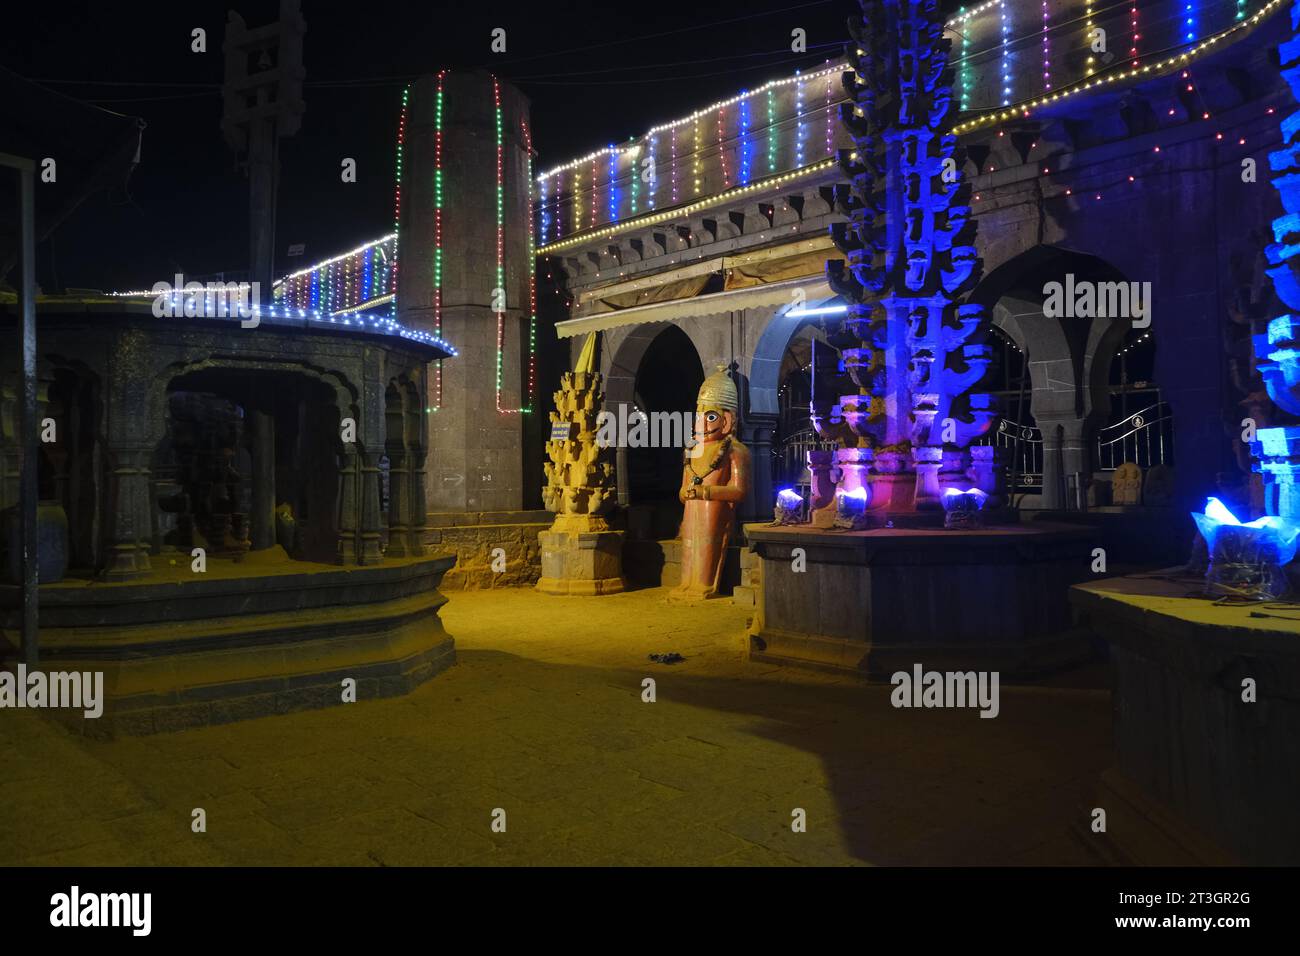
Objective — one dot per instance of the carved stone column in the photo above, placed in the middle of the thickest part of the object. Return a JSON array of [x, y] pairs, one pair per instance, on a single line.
[[1065, 452], [371, 550], [349, 510], [262, 521], [757, 432], [128, 513]]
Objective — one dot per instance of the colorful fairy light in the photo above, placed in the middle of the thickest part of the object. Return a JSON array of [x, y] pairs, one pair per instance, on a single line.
[[532, 275], [612, 192], [672, 171], [722, 147], [545, 210], [965, 60], [436, 401], [771, 131], [695, 157], [654, 180], [670, 215], [1006, 56], [830, 118], [1047, 52], [744, 141], [799, 125], [501, 259], [1133, 30], [1125, 72]]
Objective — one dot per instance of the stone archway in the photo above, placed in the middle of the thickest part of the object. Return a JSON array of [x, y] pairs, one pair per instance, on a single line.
[[654, 367], [762, 397], [1069, 357]]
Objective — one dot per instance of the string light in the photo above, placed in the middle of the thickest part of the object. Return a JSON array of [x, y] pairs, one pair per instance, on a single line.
[[437, 233], [965, 60], [830, 119], [219, 307], [1133, 23], [798, 112], [695, 157], [532, 273], [654, 180], [771, 85], [612, 192], [532, 255], [1174, 60], [1006, 56], [722, 149], [1047, 52], [744, 141], [664, 216], [771, 131], [1089, 34]]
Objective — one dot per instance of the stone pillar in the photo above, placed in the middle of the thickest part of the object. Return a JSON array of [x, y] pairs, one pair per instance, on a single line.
[[1064, 453], [133, 429], [1277, 458], [128, 554], [262, 520], [756, 434], [349, 512], [475, 463], [370, 540]]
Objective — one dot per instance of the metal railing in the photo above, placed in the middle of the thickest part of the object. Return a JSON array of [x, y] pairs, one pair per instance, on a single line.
[[1145, 438], [790, 459], [1024, 453]]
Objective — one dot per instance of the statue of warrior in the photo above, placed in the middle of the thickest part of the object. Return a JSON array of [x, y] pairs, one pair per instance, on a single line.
[[715, 476]]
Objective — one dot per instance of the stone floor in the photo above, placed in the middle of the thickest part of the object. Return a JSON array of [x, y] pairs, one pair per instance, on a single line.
[[543, 718]]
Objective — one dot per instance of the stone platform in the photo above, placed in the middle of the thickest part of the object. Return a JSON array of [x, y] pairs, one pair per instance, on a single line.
[[1201, 775], [248, 639], [878, 601]]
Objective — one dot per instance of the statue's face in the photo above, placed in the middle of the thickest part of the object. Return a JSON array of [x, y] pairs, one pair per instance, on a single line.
[[713, 424]]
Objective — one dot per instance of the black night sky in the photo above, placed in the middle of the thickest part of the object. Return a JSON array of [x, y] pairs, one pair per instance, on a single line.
[[596, 73]]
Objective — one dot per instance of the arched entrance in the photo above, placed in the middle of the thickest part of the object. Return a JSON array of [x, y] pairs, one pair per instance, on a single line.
[[1068, 337], [655, 369]]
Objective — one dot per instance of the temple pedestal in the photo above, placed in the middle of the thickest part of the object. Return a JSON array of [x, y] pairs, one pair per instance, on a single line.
[[875, 602], [581, 562], [1206, 698], [243, 640]]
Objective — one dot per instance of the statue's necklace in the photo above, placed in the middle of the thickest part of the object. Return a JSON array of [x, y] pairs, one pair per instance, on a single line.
[[717, 463]]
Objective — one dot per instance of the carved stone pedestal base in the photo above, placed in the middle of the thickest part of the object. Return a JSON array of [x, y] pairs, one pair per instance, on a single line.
[[581, 562]]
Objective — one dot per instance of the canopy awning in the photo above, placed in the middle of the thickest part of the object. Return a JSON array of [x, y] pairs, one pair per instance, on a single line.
[[761, 296]]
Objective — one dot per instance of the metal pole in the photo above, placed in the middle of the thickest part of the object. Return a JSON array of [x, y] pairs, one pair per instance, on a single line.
[[27, 484]]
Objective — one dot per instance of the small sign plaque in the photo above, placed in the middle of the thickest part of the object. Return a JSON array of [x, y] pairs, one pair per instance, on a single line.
[[561, 431]]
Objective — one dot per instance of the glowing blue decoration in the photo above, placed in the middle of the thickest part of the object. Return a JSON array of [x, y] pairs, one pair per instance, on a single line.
[[972, 499], [812, 313], [546, 213], [654, 170], [852, 502], [789, 498], [1006, 56], [613, 193], [789, 507], [798, 131], [1190, 23], [1246, 560], [744, 137], [382, 324]]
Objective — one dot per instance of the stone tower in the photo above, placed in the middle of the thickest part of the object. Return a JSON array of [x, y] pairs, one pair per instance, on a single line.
[[465, 271]]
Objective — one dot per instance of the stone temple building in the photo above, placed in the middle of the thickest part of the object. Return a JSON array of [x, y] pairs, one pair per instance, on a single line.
[[1111, 255]]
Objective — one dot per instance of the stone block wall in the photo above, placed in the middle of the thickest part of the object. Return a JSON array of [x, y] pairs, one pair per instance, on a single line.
[[473, 536]]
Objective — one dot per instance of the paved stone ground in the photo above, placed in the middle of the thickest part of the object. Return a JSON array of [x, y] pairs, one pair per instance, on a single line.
[[543, 717]]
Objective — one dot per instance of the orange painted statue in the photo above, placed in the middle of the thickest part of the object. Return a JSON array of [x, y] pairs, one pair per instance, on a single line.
[[715, 477]]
